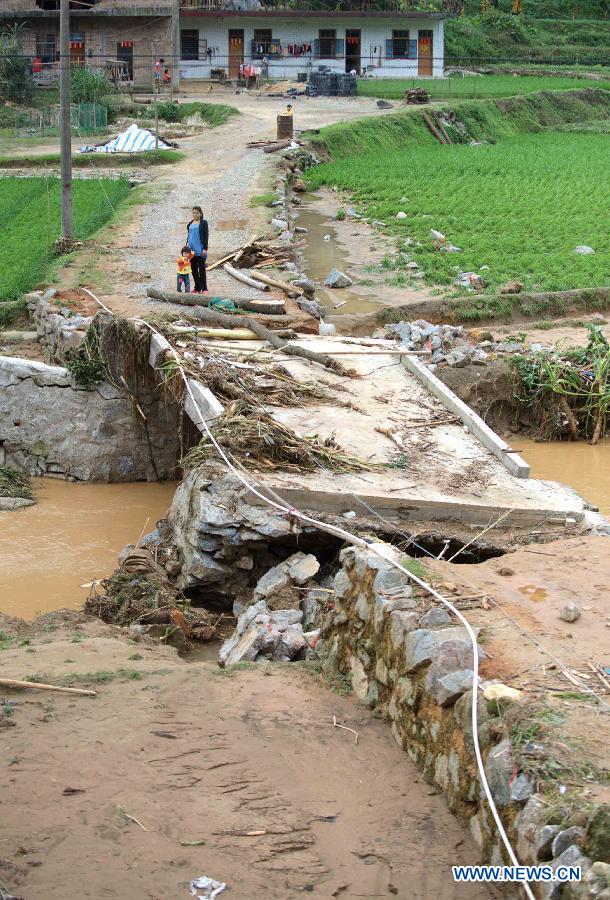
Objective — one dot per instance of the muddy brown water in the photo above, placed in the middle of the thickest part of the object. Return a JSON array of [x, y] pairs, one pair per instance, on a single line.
[[577, 464], [71, 536], [321, 257]]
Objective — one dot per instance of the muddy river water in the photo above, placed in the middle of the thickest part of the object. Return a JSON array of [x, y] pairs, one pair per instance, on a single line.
[[75, 531], [71, 536], [582, 467]]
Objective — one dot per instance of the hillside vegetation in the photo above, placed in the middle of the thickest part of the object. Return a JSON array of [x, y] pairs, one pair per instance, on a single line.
[[546, 32]]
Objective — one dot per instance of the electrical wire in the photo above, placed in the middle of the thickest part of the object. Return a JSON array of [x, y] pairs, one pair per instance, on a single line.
[[383, 551]]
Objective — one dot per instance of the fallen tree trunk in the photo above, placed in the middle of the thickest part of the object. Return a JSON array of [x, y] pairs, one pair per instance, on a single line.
[[270, 307], [210, 315], [251, 282]]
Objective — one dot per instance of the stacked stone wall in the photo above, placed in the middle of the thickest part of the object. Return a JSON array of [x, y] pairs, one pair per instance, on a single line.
[[414, 666]]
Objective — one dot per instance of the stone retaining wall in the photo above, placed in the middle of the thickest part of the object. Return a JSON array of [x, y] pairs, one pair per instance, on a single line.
[[59, 329], [414, 666], [48, 425]]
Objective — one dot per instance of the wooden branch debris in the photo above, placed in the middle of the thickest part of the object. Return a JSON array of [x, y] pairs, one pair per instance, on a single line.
[[433, 128], [271, 146], [39, 686], [290, 289], [255, 253], [323, 359], [251, 282], [345, 728]]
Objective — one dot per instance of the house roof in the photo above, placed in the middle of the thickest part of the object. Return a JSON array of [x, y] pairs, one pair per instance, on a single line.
[[312, 13]]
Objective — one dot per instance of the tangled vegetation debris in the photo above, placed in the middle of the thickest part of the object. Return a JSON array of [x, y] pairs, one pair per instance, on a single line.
[[235, 380], [256, 438], [568, 389], [14, 483], [86, 364], [139, 593]]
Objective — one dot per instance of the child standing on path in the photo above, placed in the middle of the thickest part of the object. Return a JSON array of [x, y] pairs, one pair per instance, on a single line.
[[197, 239], [184, 271]]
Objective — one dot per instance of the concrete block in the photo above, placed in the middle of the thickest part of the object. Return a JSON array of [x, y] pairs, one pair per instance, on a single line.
[[205, 408]]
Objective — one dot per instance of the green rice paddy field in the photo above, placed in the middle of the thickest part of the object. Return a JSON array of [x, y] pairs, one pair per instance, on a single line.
[[30, 224], [519, 206], [474, 86]]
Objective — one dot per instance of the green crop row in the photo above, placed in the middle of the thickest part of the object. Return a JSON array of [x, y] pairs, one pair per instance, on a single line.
[[474, 86], [518, 207], [28, 232]]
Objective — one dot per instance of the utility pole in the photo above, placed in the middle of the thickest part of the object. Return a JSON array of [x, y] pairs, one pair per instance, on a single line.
[[175, 26], [65, 120]]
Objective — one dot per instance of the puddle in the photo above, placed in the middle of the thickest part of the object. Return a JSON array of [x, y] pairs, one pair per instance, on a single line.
[[321, 256], [577, 464], [231, 224], [72, 535], [537, 594]]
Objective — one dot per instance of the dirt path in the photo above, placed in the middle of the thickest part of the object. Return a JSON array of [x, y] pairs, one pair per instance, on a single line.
[[196, 754], [219, 174]]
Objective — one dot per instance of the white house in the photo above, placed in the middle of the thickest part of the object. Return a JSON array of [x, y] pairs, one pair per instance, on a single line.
[[286, 43]]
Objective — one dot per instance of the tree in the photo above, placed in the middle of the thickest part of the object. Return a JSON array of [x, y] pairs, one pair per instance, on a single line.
[[16, 82]]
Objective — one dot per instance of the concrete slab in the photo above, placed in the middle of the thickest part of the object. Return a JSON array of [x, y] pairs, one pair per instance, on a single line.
[[438, 469]]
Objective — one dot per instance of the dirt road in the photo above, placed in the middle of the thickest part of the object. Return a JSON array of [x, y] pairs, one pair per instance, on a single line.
[[219, 174], [248, 763]]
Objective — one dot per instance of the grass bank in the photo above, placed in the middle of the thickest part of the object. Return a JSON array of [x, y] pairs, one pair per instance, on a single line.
[[483, 120], [474, 86], [212, 114], [517, 206], [97, 160], [31, 223]]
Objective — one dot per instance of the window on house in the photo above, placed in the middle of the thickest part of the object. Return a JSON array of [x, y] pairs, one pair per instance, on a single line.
[[400, 45], [46, 47], [328, 43], [263, 35], [189, 43]]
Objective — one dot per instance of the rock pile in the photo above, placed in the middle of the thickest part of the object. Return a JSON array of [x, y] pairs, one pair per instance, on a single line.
[[273, 635], [448, 344]]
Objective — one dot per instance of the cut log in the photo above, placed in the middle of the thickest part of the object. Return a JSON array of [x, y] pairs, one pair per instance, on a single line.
[[282, 285], [267, 307], [210, 315], [433, 129], [227, 334], [16, 337], [251, 282]]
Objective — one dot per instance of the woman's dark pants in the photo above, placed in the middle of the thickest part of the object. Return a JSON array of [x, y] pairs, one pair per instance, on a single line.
[[199, 274]]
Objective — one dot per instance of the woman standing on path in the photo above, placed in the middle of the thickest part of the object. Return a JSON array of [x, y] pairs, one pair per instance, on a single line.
[[197, 240]]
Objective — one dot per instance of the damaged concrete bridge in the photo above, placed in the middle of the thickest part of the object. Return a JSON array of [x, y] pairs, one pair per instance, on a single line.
[[432, 459]]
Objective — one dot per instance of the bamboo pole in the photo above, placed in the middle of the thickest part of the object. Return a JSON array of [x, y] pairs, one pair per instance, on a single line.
[[38, 686]]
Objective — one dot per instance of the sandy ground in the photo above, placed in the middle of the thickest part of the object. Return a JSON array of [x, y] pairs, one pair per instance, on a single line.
[[247, 763], [529, 646]]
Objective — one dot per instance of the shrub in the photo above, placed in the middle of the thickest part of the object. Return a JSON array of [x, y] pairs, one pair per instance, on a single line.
[[16, 82]]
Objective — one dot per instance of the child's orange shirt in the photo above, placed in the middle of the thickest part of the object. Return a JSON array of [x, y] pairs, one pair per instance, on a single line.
[[184, 265]]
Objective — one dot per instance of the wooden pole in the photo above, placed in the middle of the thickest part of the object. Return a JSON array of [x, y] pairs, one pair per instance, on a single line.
[[175, 26], [38, 686], [65, 129]]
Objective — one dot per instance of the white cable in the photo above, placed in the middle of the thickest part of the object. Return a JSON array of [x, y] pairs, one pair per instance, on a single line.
[[384, 552]]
